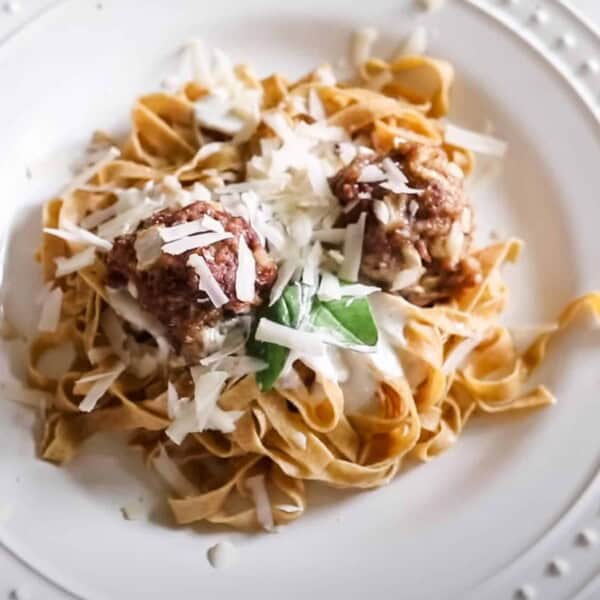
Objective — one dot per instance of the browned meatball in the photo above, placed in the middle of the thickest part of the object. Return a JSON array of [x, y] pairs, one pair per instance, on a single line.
[[169, 289], [415, 244]]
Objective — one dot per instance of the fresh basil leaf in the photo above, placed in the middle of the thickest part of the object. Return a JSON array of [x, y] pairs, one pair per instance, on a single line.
[[286, 311], [350, 320]]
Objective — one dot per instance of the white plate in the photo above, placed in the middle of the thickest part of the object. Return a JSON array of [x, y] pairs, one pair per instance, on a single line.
[[482, 521]]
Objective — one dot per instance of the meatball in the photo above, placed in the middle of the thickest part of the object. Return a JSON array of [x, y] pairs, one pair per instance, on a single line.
[[415, 243], [169, 289]]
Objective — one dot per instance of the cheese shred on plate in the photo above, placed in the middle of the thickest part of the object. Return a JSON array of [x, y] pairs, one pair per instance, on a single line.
[[51, 309], [208, 283], [352, 252], [101, 384], [193, 242], [66, 266], [477, 142], [246, 272]]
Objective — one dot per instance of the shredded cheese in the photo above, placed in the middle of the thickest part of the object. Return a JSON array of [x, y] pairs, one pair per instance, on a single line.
[[415, 42], [310, 273], [208, 283], [245, 277], [362, 44], [371, 174], [315, 105], [288, 508], [102, 383], [260, 495], [128, 309], [66, 266], [147, 245], [382, 211], [205, 224], [193, 242], [78, 235], [238, 366], [51, 309], [302, 341], [397, 181], [98, 217], [284, 275], [330, 236], [299, 439], [172, 475], [353, 244], [202, 413], [82, 178], [477, 142], [222, 555]]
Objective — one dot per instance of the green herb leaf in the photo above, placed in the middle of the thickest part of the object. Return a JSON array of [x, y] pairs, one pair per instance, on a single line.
[[286, 311], [350, 320]]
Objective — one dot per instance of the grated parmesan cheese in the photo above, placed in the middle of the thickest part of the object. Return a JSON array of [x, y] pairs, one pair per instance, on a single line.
[[66, 266], [203, 412], [102, 383], [415, 43], [245, 277], [147, 245], [330, 236], [193, 242], [477, 142], [362, 44], [98, 217], [310, 273], [78, 235], [347, 152], [260, 495], [304, 342], [222, 555], [208, 283], [215, 111], [174, 403], [382, 211], [315, 105], [115, 334], [397, 181], [329, 288], [238, 366], [288, 508], [353, 249], [202, 225], [98, 163], [128, 220], [51, 309], [371, 174], [299, 439], [172, 475], [284, 275], [128, 309]]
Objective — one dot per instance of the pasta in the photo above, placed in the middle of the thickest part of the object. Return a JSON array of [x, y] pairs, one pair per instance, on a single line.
[[233, 448]]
